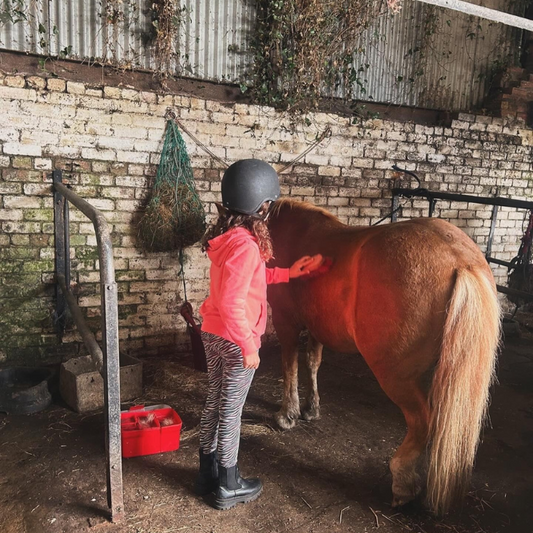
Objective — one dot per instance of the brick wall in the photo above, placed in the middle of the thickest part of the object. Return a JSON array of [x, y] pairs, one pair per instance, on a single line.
[[107, 140]]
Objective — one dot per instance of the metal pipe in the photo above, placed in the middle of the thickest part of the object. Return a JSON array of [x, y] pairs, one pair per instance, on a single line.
[[61, 257], [514, 292], [103, 232], [493, 219], [66, 218], [432, 204], [111, 367], [429, 195], [499, 262], [483, 12], [86, 334], [395, 205]]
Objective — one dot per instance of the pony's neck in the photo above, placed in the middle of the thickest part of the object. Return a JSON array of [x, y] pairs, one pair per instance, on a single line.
[[297, 209]]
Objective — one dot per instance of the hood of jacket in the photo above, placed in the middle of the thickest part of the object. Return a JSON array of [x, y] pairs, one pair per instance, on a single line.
[[220, 246]]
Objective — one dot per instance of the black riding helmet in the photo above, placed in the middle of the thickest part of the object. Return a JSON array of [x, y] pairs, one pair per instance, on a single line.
[[247, 184]]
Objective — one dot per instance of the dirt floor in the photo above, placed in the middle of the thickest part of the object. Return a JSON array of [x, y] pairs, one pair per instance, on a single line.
[[329, 475]]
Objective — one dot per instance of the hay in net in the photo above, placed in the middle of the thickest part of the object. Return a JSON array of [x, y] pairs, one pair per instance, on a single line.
[[174, 217]]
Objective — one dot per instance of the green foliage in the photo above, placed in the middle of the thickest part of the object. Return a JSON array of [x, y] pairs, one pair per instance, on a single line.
[[305, 49], [12, 11], [18, 11]]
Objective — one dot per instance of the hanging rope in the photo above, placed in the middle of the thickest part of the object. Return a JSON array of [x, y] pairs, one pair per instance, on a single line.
[[171, 115], [193, 325], [182, 273], [324, 134]]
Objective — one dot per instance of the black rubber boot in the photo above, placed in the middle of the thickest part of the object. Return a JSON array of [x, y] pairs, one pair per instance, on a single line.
[[233, 489], [207, 479]]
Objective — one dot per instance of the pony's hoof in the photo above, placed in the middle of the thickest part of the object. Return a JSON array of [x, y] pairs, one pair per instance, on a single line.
[[284, 422], [403, 497], [311, 414], [400, 501]]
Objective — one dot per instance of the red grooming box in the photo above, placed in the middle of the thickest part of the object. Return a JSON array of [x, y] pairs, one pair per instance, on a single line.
[[148, 430]]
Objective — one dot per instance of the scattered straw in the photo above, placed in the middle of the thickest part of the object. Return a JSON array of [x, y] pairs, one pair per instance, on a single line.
[[305, 501], [341, 513], [375, 516], [189, 434]]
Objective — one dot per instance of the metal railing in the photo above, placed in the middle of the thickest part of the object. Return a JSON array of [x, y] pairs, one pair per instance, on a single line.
[[496, 201], [106, 359]]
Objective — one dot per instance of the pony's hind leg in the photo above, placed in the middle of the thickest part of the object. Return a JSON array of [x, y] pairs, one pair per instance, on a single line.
[[313, 358], [405, 465], [289, 413]]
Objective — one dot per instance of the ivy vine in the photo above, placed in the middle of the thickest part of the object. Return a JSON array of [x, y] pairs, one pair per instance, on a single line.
[[305, 49], [165, 21], [12, 11]]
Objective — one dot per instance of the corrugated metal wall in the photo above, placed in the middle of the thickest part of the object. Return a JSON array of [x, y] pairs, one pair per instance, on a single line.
[[434, 57], [424, 56], [212, 34]]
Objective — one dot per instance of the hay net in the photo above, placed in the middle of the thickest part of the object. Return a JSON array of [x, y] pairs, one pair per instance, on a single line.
[[174, 217]]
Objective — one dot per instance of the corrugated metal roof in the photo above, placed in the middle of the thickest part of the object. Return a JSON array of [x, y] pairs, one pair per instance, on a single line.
[[408, 62]]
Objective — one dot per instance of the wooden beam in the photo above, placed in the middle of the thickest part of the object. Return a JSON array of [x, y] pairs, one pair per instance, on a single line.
[[483, 12]]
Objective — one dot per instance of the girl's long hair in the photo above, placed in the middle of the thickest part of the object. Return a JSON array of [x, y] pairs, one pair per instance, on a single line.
[[256, 226]]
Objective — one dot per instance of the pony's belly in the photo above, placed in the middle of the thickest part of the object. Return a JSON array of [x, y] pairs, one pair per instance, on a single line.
[[332, 333]]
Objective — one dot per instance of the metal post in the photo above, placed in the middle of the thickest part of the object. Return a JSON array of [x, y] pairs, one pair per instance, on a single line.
[[432, 203], [112, 403], [66, 218], [492, 229], [108, 290], [394, 212], [109, 294], [60, 255], [395, 201]]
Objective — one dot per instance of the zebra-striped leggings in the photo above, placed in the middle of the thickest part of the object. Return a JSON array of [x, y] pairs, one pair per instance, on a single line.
[[229, 383]]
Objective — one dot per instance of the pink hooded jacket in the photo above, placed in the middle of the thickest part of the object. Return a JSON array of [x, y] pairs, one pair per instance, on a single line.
[[236, 308]]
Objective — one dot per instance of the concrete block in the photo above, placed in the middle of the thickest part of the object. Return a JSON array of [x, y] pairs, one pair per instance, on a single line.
[[54, 84], [75, 87], [15, 148], [82, 386], [15, 81]]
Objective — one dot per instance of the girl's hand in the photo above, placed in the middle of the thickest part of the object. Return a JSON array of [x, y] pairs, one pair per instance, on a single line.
[[251, 361], [305, 265]]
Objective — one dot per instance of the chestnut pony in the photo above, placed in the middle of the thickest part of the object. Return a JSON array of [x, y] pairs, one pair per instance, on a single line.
[[417, 300]]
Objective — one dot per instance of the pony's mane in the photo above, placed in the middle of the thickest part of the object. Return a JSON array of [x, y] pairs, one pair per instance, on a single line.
[[289, 203]]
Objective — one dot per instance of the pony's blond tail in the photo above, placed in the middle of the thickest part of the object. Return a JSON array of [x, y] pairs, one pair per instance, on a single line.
[[460, 390]]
